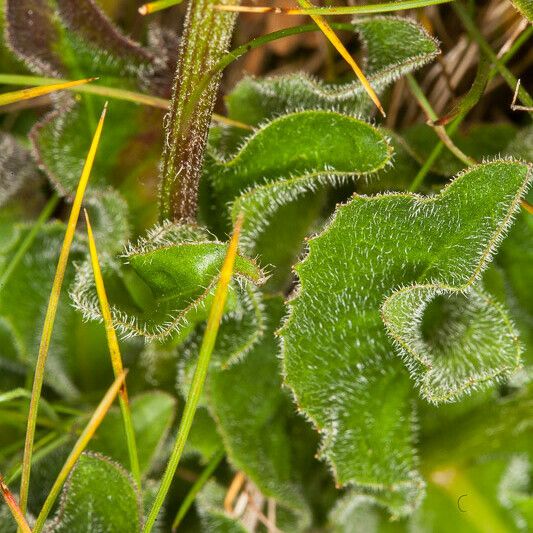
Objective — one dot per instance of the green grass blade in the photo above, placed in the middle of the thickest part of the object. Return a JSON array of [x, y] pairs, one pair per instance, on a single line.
[[342, 10], [108, 92], [197, 487], [198, 380]]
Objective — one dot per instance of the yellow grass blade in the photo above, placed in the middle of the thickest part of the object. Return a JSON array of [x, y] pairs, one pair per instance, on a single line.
[[527, 207], [77, 450], [51, 314], [152, 7], [200, 373], [233, 491], [33, 92], [11, 502], [230, 122], [114, 351], [337, 43]]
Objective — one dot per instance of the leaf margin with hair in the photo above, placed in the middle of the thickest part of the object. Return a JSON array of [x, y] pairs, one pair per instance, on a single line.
[[289, 189], [148, 258], [403, 468], [441, 382]]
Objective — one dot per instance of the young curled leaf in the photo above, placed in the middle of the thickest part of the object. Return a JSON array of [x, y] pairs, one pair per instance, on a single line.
[[471, 344], [338, 358]]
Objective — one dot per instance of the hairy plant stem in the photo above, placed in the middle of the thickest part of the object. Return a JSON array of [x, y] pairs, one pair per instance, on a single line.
[[205, 39]]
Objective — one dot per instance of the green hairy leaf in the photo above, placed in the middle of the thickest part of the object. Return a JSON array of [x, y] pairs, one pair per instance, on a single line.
[[114, 507], [164, 283], [475, 342], [338, 359], [358, 357], [277, 178], [393, 46]]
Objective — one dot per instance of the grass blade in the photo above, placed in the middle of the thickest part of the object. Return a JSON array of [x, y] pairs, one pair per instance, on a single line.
[[77, 450], [432, 118], [527, 206], [110, 92], [197, 487], [16, 511], [456, 122], [478, 37], [114, 351], [341, 10], [152, 7], [34, 92], [200, 373], [51, 313], [472, 96], [322, 23]]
